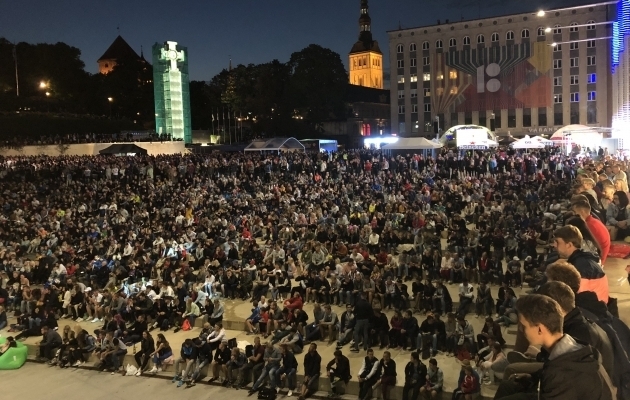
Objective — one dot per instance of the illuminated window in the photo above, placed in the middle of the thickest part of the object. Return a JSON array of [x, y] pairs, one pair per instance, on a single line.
[[509, 35], [440, 77], [427, 92], [481, 39], [525, 33], [591, 96], [466, 40], [426, 77], [590, 60], [452, 74], [557, 98], [573, 27], [438, 44], [399, 48], [413, 78], [495, 37], [454, 90], [452, 42], [591, 78], [401, 79], [425, 46], [412, 47], [590, 25], [575, 97], [557, 30]]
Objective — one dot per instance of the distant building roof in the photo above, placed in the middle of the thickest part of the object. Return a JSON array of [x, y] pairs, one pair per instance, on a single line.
[[119, 50], [362, 94], [361, 46]]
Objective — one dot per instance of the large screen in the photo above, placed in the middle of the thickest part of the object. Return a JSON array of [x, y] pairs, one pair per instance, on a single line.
[[472, 139]]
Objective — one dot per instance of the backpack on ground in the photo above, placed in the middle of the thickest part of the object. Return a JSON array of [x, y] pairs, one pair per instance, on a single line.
[[266, 394]]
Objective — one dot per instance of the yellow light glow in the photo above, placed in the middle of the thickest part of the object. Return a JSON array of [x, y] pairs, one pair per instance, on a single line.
[[43, 85], [110, 99], [541, 13]]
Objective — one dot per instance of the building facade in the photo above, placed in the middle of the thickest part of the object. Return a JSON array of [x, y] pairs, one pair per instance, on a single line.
[[366, 59], [172, 91], [517, 74], [621, 74]]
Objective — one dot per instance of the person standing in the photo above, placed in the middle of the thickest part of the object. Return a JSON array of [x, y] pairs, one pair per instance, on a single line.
[[362, 314]]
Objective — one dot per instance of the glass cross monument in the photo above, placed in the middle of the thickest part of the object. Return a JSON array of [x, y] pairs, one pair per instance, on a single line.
[[171, 91]]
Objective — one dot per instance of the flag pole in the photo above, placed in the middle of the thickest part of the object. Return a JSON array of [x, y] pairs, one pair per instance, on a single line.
[[17, 81]]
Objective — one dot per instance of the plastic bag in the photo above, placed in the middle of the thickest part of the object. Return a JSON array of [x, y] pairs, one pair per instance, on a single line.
[[131, 370]]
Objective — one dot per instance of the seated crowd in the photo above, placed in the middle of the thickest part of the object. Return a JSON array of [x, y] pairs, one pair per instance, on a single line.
[[145, 243]]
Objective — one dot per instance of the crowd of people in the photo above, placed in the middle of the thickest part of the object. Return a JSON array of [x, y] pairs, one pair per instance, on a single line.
[[18, 141], [135, 244]]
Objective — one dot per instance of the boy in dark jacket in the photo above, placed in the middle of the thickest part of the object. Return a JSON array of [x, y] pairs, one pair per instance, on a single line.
[[571, 370]]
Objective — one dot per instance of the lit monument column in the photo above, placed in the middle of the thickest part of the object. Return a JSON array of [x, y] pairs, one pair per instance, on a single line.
[[171, 91]]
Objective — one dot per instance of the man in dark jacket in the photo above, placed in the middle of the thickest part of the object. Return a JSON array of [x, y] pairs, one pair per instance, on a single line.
[[51, 340], [415, 376], [340, 373], [312, 369], [188, 356], [379, 328], [409, 330], [570, 370], [362, 314], [287, 370]]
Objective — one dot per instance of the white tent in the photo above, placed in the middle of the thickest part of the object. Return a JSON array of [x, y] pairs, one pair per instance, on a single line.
[[544, 141], [580, 134], [412, 144], [528, 143], [275, 144]]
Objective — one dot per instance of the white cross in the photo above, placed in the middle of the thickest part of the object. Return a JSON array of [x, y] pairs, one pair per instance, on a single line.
[[171, 54]]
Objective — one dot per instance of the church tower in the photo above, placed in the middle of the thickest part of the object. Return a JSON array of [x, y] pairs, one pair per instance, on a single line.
[[366, 59]]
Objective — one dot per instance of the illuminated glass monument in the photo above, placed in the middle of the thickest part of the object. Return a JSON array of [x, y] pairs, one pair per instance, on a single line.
[[171, 91]]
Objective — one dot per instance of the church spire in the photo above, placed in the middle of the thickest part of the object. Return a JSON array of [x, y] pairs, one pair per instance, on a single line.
[[365, 23]]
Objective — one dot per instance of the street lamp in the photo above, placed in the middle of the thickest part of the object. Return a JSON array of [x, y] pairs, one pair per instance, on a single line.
[[110, 100], [541, 13], [43, 85], [47, 94]]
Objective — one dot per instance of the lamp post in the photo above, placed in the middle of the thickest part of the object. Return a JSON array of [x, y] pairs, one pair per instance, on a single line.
[[437, 120], [110, 100]]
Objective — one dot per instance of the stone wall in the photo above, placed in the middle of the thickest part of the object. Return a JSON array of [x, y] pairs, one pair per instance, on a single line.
[[88, 149]]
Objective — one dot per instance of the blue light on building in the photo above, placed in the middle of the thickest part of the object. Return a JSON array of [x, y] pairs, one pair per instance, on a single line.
[[621, 29]]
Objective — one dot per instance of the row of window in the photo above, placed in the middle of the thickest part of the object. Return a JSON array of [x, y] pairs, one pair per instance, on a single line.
[[426, 77], [572, 46], [575, 97], [575, 79], [557, 99], [574, 62], [509, 35]]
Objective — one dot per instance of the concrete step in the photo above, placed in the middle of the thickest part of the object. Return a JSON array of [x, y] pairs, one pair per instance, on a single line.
[[351, 389]]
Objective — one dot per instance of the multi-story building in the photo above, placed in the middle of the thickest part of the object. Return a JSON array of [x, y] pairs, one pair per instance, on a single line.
[[520, 74]]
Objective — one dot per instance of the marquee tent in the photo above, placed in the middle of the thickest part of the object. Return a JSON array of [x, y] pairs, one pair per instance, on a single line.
[[528, 143], [416, 143], [276, 144]]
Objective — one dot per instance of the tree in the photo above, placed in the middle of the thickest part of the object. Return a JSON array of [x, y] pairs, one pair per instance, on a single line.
[[318, 84]]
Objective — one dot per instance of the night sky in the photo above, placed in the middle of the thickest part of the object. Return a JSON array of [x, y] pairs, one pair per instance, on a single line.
[[250, 31]]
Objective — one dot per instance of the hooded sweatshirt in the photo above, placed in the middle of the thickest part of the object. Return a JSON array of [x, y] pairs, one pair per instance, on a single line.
[[593, 276], [573, 371]]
